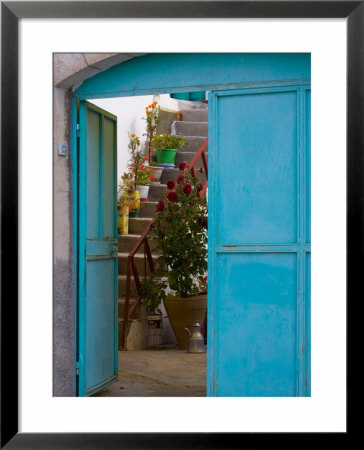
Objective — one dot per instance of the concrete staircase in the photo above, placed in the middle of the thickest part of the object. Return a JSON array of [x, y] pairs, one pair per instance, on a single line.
[[193, 127]]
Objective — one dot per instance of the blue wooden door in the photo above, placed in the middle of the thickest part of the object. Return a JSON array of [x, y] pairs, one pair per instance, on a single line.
[[98, 241], [259, 242]]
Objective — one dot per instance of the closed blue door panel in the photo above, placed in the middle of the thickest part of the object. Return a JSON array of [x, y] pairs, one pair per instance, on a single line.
[[257, 160], [97, 318], [307, 296], [257, 321], [308, 326], [308, 163], [259, 266]]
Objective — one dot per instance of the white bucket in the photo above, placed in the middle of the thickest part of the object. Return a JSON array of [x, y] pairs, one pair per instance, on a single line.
[[144, 190]]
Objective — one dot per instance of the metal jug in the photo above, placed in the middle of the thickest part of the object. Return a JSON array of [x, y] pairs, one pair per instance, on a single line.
[[196, 343]]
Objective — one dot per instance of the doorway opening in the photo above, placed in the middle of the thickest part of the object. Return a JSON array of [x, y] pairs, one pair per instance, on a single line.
[[259, 222], [153, 358]]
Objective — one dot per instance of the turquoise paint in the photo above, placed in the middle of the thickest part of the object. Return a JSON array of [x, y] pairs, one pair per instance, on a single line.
[[181, 72], [257, 265], [262, 215], [307, 242], [98, 250], [266, 250], [308, 162]]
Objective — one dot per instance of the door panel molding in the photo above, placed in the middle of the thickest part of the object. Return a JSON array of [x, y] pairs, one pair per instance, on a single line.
[[219, 381]]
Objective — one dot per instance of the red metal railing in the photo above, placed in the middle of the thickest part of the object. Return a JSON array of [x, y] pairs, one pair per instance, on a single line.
[[131, 267]]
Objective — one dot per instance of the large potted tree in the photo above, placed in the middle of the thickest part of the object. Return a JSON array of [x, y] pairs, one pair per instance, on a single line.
[[180, 231]]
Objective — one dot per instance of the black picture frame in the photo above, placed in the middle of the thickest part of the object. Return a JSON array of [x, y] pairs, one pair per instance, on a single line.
[[11, 12]]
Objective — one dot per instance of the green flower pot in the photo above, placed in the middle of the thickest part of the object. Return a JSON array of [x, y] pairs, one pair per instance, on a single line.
[[166, 155]]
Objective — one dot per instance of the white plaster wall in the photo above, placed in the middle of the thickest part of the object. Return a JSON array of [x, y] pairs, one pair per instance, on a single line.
[[130, 112]]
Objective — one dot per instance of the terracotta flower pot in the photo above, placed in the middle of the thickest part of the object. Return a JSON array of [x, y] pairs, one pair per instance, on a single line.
[[185, 312]]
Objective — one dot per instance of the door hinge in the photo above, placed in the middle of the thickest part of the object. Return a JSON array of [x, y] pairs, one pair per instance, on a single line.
[[77, 129], [77, 368]]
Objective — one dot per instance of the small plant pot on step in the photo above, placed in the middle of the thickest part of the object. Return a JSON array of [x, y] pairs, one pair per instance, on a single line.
[[166, 155], [144, 191], [155, 321], [156, 172]]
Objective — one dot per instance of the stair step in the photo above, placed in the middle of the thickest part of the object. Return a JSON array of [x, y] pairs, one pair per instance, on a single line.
[[194, 144], [182, 128], [156, 192], [187, 156], [128, 241], [148, 209], [138, 261], [173, 174], [137, 225], [137, 313], [122, 286], [194, 115]]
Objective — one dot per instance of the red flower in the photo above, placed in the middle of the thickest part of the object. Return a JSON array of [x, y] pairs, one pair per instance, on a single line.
[[187, 188], [180, 178], [160, 206], [172, 196], [132, 135], [201, 170], [152, 178], [146, 158], [171, 184], [141, 167], [182, 165]]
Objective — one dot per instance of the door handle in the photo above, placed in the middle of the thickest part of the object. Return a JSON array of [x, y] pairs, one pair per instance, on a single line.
[[113, 249]]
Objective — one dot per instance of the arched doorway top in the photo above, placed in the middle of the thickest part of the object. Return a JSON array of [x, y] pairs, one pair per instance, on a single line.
[[178, 72], [72, 69]]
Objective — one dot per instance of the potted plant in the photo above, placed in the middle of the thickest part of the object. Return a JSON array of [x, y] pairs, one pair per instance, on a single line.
[[166, 147], [143, 178], [128, 197], [181, 236], [156, 171], [141, 173], [123, 208], [152, 296], [152, 120]]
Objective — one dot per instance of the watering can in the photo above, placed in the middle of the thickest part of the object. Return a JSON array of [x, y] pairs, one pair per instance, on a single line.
[[196, 343]]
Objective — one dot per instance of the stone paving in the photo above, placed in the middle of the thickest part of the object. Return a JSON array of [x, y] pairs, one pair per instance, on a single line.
[[159, 373]]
